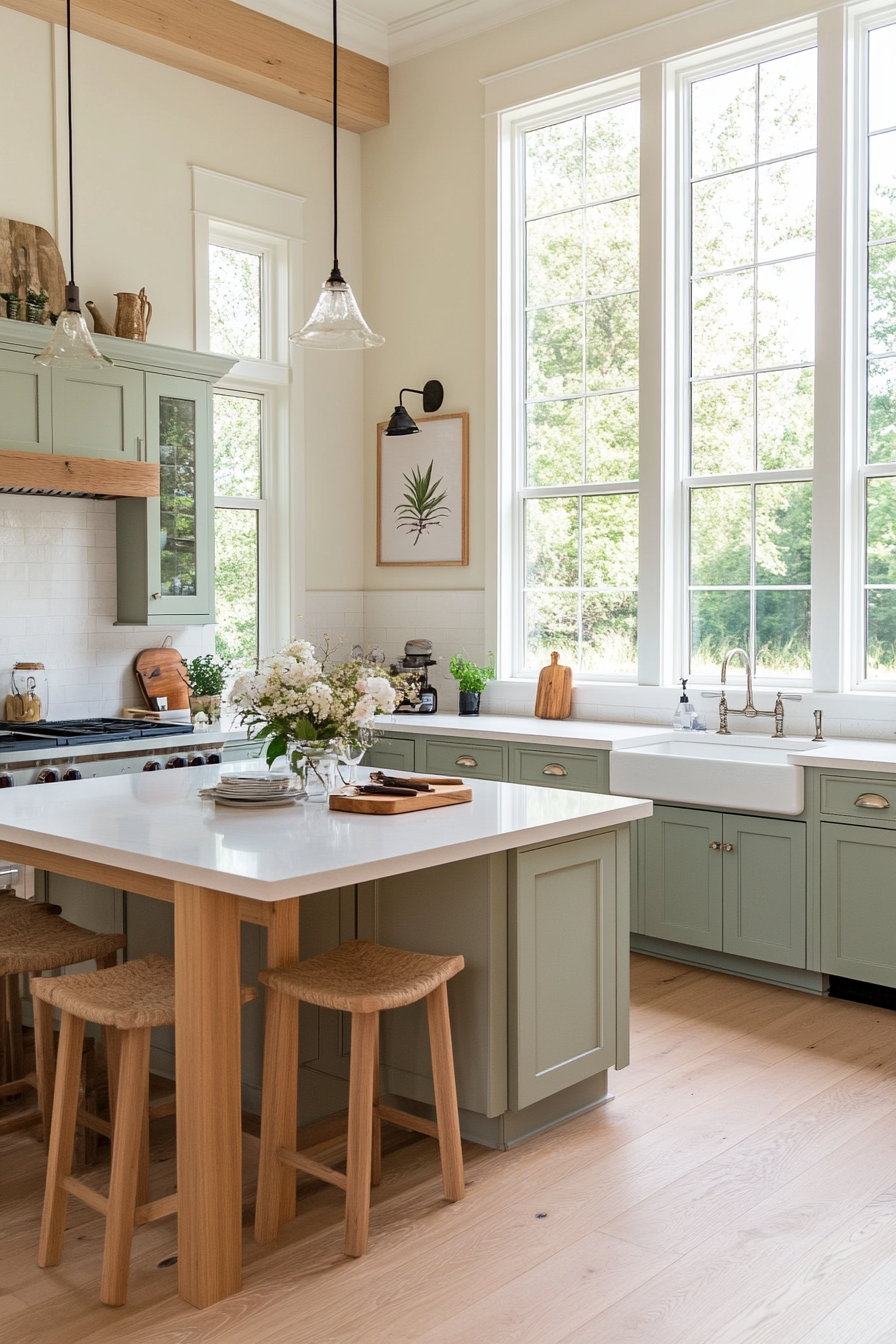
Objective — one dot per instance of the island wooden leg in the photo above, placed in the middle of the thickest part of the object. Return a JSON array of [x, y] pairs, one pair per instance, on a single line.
[[276, 1202], [207, 1026]]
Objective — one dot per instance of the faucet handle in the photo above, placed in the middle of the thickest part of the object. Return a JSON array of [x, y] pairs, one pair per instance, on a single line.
[[713, 695]]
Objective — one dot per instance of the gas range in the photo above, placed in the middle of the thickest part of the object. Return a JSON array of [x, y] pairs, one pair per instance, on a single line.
[[63, 750]]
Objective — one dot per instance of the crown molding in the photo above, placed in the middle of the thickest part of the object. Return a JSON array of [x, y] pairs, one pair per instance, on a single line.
[[358, 31]]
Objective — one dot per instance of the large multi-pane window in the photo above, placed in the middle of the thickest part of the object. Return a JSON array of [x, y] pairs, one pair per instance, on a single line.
[[879, 472], [752, 349], [578, 495]]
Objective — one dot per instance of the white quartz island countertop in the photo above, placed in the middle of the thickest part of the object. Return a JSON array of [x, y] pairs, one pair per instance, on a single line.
[[157, 824]]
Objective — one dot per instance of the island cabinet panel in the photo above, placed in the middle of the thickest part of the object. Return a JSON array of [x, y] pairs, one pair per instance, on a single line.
[[764, 889], [99, 412], [391, 753], [26, 418], [858, 903], [459, 907], [588, 771], [562, 955], [684, 876]]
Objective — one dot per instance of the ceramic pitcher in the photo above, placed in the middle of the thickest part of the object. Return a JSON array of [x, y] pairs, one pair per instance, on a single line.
[[133, 316]]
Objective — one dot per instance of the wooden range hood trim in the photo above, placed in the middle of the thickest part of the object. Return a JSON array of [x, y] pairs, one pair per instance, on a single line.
[[55, 474], [237, 47]]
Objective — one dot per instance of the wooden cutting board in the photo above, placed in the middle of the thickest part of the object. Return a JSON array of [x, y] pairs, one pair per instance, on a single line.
[[161, 672], [553, 699], [443, 795], [29, 259]]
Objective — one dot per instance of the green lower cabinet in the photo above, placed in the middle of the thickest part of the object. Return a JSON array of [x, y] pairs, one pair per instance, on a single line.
[[562, 962], [726, 882], [588, 771], [471, 760], [684, 876], [391, 753], [858, 903]]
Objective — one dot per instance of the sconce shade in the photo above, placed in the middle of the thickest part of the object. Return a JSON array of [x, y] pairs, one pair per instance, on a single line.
[[433, 395], [401, 423]]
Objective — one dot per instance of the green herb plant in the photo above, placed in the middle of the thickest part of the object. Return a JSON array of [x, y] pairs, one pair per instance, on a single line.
[[206, 674], [423, 506], [469, 676]]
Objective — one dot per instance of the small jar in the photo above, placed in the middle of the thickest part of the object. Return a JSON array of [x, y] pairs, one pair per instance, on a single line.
[[29, 698]]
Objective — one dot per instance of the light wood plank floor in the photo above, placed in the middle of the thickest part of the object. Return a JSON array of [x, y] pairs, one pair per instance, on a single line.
[[740, 1189]]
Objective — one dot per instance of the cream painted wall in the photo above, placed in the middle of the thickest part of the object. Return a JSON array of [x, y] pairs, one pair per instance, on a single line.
[[139, 126]]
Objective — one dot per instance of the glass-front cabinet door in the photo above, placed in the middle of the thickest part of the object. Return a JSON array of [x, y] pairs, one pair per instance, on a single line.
[[179, 531]]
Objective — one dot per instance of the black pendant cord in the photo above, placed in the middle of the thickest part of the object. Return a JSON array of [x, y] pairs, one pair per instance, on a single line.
[[71, 172], [336, 275]]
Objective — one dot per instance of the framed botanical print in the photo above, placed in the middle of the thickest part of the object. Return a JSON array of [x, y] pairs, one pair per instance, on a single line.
[[422, 490]]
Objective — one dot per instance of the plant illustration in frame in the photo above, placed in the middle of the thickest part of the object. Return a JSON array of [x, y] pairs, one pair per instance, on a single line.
[[422, 493]]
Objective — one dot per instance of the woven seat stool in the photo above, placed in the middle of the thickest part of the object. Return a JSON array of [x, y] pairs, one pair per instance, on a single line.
[[129, 1000], [363, 979], [34, 939]]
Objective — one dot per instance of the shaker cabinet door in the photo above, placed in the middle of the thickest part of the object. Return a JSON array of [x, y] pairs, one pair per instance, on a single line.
[[764, 889], [683, 882], [26, 420], [858, 903], [99, 413]]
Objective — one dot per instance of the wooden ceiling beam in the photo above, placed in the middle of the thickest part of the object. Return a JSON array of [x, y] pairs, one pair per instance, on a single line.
[[235, 46]]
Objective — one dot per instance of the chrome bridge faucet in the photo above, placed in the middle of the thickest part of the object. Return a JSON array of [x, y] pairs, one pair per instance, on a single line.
[[749, 710]]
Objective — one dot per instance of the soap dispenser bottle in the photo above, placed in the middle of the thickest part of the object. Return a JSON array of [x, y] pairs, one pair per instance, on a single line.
[[685, 714]]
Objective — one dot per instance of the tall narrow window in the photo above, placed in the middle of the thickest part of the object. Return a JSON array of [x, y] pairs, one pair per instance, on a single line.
[[752, 295], [578, 498], [235, 294], [880, 438], [239, 514]]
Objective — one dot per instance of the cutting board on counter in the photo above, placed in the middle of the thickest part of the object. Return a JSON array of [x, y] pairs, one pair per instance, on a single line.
[[443, 795], [553, 699], [161, 672]]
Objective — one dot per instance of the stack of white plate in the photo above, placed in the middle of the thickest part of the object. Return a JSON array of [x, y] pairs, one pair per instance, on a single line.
[[255, 790]]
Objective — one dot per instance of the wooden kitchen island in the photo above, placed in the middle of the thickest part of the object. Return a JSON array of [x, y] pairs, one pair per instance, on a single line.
[[530, 884]]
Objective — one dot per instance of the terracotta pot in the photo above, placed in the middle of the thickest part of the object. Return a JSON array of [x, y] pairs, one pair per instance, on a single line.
[[133, 316]]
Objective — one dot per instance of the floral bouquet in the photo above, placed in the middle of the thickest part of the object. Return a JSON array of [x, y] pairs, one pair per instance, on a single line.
[[299, 703]]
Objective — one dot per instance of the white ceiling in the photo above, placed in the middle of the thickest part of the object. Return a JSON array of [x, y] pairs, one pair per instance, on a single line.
[[395, 30]]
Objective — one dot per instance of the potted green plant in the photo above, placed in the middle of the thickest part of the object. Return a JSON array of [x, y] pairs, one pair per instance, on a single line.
[[205, 678], [13, 305], [471, 681], [35, 303]]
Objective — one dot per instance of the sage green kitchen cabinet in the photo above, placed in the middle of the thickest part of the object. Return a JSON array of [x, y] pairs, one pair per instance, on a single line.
[[391, 753], [585, 770], [99, 412], [166, 544], [858, 902], [26, 416], [726, 882], [470, 759]]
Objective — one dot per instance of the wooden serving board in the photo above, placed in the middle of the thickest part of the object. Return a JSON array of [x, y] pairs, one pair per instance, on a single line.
[[443, 795], [29, 259], [161, 672], [553, 699]]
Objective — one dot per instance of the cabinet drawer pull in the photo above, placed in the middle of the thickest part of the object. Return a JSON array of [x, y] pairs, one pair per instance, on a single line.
[[555, 770], [715, 844], [727, 849], [466, 760], [873, 800]]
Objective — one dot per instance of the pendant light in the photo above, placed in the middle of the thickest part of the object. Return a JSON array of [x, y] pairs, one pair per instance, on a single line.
[[336, 323], [71, 342]]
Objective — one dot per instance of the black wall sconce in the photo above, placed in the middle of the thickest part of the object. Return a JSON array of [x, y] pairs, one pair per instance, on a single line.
[[433, 394]]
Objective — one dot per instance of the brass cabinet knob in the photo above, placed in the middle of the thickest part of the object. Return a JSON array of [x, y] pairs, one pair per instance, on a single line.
[[466, 760], [715, 844], [555, 770], [727, 849], [872, 800]]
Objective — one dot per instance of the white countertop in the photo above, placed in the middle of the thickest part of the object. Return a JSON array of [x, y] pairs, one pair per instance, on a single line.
[[157, 824], [520, 728], [843, 753]]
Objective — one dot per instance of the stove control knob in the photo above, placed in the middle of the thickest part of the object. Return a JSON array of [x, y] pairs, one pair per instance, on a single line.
[[48, 776], [196, 760], [152, 765], [6, 781], [213, 758], [73, 773], [175, 762]]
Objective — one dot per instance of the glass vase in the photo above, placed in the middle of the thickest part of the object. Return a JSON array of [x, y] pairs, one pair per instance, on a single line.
[[314, 763]]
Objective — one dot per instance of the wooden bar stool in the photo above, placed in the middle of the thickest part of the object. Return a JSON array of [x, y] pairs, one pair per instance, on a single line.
[[129, 1000], [362, 979], [34, 939]]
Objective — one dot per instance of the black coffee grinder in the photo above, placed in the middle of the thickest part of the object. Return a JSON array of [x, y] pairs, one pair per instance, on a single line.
[[417, 660]]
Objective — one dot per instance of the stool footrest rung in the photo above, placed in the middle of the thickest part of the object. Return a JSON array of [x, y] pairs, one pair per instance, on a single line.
[[155, 1209], [311, 1168], [87, 1195], [18, 1085], [22, 1120], [95, 1122], [407, 1121], [159, 1109]]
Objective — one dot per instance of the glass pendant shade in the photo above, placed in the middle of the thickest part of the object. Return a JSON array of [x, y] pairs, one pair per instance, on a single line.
[[337, 323], [71, 342]]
